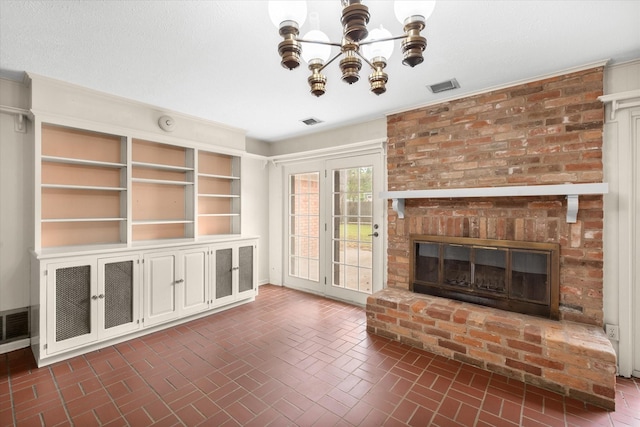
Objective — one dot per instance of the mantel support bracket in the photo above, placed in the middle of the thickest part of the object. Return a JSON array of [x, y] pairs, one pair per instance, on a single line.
[[398, 206], [572, 208]]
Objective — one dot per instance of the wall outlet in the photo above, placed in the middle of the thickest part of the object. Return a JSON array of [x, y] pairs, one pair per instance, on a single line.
[[613, 332]]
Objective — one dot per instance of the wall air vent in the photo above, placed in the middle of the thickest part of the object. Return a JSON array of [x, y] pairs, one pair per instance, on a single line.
[[14, 325], [311, 121], [444, 86]]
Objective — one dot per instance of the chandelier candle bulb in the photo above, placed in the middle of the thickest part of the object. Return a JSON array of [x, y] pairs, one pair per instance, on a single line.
[[377, 46]]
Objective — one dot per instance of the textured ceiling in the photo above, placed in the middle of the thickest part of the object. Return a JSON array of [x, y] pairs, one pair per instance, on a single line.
[[218, 59]]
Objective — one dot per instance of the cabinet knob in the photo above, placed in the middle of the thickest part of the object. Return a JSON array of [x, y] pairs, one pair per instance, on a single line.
[[180, 281], [94, 297], [101, 296]]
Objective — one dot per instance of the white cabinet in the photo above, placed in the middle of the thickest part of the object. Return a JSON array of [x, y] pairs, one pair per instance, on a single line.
[[124, 221], [118, 295], [194, 289], [234, 269], [159, 287], [88, 302], [90, 299], [176, 284]]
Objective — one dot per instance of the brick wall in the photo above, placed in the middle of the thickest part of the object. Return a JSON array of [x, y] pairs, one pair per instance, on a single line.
[[544, 132]]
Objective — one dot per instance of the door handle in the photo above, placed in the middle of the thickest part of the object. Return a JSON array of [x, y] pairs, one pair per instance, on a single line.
[[375, 234]]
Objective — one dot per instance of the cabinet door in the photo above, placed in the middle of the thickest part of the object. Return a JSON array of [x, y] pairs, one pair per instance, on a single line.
[[159, 288], [71, 305], [234, 268], [223, 268], [194, 283], [246, 270], [119, 296]]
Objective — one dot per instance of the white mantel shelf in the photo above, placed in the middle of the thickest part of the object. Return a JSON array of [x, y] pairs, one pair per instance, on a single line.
[[572, 191]]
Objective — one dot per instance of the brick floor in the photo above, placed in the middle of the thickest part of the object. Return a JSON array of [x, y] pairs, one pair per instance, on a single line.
[[287, 359]]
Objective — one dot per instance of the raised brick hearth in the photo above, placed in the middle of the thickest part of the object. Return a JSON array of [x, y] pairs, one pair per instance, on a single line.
[[539, 133], [569, 358]]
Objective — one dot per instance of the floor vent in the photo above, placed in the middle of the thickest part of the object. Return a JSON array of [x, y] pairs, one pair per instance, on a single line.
[[14, 325]]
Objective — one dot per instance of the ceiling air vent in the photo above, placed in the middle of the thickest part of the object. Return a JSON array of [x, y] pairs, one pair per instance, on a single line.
[[444, 86], [311, 121]]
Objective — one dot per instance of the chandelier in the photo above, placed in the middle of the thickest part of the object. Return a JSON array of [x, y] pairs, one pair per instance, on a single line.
[[357, 45]]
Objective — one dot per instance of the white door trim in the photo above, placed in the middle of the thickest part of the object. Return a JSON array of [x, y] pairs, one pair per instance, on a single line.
[[621, 228]]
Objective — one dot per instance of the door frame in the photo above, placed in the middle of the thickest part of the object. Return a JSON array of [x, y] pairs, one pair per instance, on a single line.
[[305, 159], [378, 217]]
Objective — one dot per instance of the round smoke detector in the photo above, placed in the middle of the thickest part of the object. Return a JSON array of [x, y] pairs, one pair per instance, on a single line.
[[167, 123]]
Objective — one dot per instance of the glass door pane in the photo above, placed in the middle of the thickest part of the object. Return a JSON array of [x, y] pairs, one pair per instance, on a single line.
[[352, 220], [304, 226]]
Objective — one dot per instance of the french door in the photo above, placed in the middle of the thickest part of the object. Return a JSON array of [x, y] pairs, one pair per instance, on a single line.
[[334, 242]]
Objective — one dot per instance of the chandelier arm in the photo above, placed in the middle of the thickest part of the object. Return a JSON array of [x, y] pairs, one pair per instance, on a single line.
[[318, 42], [382, 40], [330, 61], [365, 59]]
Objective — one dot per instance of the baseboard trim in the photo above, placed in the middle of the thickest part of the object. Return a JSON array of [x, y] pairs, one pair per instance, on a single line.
[[15, 345]]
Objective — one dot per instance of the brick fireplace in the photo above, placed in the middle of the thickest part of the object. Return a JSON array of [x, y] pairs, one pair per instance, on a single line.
[[540, 133]]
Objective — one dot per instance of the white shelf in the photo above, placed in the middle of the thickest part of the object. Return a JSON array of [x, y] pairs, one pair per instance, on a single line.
[[71, 161], [161, 221], [222, 215], [161, 181], [208, 175], [221, 196], [571, 191], [82, 219], [83, 187], [159, 166]]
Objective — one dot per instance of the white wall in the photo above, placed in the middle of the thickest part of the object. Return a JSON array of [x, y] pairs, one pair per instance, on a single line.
[[255, 215], [16, 205], [367, 131]]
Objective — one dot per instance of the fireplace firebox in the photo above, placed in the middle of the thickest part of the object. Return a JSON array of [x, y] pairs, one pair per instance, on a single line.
[[510, 275]]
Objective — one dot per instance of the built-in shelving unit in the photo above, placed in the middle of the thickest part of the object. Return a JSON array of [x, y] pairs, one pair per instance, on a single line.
[[83, 187], [99, 189], [130, 221], [162, 191], [218, 194]]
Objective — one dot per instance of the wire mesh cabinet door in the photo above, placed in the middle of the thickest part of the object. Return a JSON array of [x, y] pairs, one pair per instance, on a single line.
[[234, 267], [246, 270], [224, 270], [118, 295], [72, 298]]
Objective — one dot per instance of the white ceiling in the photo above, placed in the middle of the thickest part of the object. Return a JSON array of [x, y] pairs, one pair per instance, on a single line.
[[218, 59]]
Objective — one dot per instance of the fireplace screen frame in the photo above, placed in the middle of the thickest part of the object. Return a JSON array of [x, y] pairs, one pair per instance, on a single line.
[[467, 290]]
